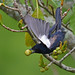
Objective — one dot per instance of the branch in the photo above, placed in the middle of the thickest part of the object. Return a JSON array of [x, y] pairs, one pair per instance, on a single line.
[[47, 3], [67, 54], [24, 27], [13, 29], [26, 3], [15, 9], [67, 68], [31, 3], [19, 11], [46, 8], [49, 64], [66, 27]]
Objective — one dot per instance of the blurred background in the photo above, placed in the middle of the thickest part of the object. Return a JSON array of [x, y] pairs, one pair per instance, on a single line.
[[12, 58]]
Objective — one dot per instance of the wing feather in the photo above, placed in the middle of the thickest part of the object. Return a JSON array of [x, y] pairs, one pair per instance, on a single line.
[[39, 27]]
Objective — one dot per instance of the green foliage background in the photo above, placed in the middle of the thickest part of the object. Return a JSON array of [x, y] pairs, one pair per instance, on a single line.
[[12, 58]]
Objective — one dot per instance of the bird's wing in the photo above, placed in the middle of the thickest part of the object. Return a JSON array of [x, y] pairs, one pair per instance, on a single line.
[[39, 27]]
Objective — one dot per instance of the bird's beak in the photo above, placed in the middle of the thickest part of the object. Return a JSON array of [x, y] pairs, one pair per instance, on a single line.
[[28, 52]]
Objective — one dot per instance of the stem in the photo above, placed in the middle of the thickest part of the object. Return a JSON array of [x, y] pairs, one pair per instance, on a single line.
[[37, 7]]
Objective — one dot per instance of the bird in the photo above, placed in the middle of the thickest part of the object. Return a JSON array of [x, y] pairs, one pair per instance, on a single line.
[[49, 37]]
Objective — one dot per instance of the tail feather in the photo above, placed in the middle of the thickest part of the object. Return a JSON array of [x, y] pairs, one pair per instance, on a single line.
[[58, 18]]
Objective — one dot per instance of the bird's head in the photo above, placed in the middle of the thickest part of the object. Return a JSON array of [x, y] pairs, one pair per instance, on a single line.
[[38, 48], [28, 52], [32, 50]]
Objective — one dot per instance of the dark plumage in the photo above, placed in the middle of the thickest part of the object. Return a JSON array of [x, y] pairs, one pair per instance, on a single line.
[[41, 29]]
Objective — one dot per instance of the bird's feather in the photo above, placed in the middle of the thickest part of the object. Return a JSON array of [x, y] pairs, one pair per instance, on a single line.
[[58, 18], [39, 27]]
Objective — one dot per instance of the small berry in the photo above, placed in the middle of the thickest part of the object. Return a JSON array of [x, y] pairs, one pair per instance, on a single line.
[[42, 69], [55, 52], [28, 52], [58, 48], [64, 51], [46, 68], [59, 52], [39, 65], [56, 57], [45, 64]]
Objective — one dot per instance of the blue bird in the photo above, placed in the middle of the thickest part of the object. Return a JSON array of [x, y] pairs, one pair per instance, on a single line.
[[49, 38]]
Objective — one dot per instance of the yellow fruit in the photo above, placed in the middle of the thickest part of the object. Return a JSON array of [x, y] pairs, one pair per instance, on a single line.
[[55, 52], [64, 51], [55, 57], [59, 52], [28, 52], [45, 64], [46, 68], [42, 69], [58, 48], [40, 65]]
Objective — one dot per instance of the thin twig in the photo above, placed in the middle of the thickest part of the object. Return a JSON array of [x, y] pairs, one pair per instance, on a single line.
[[19, 11], [31, 3], [49, 64], [67, 68], [46, 8], [65, 14], [15, 9], [67, 24], [26, 3], [27, 8], [66, 27], [52, 9], [47, 3], [13, 29], [24, 27], [67, 54]]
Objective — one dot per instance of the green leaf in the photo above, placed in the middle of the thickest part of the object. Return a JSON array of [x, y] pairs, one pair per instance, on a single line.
[[0, 18], [41, 62], [55, 3], [20, 24], [38, 14], [72, 20], [28, 40], [3, 1]]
